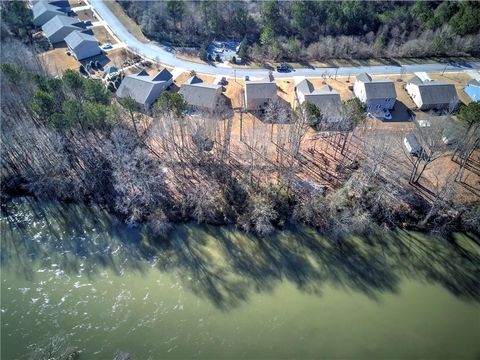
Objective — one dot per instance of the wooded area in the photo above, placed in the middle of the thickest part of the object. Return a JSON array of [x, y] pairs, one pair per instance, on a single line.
[[302, 30]]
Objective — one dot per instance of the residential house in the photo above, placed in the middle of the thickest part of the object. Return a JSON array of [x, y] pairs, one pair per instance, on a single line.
[[377, 95], [473, 89], [143, 88], [259, 93], [57, 29], [325, 98], [44, 11], [199, 95], [82, 45], [431, 95]]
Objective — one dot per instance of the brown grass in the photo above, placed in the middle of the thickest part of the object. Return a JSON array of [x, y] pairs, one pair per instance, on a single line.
[[102, 35], [76, 3], [118, 11], [85, 15], [57, 61]]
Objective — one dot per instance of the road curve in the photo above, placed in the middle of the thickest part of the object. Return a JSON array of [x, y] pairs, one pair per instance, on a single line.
[[160, 53]]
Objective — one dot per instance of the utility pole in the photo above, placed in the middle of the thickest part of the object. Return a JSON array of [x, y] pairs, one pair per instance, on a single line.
[[445, 68]]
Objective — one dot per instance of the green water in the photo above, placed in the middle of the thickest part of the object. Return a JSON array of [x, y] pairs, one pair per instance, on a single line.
[[210, 292]]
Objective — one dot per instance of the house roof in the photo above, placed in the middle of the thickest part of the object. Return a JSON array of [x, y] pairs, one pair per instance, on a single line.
[[435, 92], [363, 77], [377, 89], [140, 86], [42, 7], [58, 22], [196, 93], [75, 38], [473, 82], [260, 89]]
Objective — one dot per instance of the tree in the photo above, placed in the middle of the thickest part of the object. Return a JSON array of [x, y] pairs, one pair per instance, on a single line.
[[95, 91], [42, 103], [170, 101], [243, 50], [176, 9], [203, 55], [73, 80], [217, 58], [131, 106]]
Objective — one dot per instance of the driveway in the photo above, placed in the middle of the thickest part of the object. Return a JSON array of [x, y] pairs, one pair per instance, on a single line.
[[157, 52]]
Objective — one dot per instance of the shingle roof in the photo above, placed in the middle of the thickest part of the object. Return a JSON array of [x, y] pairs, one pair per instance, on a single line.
[[142, 87], [41, 7], [58, 22], [163, 75], [260, 89], [305, 87], [75, 38], [196, 93], [473, 82], [377, 89], [363, 77], [435, 92]]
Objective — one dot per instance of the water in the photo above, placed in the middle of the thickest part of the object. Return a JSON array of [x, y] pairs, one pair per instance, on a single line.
[[80, 275]]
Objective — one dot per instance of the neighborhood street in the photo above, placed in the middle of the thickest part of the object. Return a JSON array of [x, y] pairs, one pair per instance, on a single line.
[[159, 53]]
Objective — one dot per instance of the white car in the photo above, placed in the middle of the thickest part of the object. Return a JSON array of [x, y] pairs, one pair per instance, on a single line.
[[424, 123], [412, 145], [107, 46]]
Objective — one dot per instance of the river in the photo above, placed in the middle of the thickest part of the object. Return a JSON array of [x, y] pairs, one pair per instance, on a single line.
[[79, 275]]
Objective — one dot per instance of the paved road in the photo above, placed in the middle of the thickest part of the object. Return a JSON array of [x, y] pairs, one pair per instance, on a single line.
[[160, 53]]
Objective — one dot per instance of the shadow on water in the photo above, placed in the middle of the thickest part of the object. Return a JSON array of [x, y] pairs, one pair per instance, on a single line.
[[226, 266]]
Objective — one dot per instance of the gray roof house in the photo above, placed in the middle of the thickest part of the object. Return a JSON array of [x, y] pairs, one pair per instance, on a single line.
[[143, 88], [57, 29], [375, 94], [325, 98], [429, 94], [82, 45], [44, 11], [258, 93], [200, 95]]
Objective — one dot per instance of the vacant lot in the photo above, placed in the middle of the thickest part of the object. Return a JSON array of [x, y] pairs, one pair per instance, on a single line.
[[85, 15], [76, 3], [102, 35], [57, 61]]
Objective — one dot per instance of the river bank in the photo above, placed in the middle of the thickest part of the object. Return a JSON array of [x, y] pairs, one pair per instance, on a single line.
[[214, 292]]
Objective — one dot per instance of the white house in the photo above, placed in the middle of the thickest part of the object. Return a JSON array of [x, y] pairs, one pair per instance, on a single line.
[[259, 93], [428, 94], [82, 45], [375, 94]]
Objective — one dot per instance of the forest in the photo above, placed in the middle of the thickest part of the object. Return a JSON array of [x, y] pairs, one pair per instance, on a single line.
[[67, 138], [303, 30]]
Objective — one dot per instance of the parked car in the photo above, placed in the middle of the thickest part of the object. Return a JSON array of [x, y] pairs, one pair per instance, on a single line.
[[247, 78], [223, 81], [107, 46], [284, 68], [423, 123]]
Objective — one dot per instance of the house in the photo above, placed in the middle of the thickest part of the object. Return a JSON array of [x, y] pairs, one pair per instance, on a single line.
[[82, 45], [428, 94], [143, 88], [57, 29], [259, 93], [473, 89], [199, 95], [44, 11], [325, 98], [377, 95], [411, 144]]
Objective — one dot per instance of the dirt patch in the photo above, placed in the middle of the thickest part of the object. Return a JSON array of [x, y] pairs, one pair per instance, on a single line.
[[85, 15], [118, 11], [119, 58], [57, 61], [76, 3], [102, 35]]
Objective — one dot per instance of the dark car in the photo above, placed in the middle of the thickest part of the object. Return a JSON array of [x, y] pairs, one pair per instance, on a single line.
[[284, 68], [223, 81]]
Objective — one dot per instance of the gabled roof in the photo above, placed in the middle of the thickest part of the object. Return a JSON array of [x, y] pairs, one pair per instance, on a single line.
[[260, 89], [305, 87], [363, 77], [473, 82], [163, 75], [377, 89], [435, 92], [42, 7], [75, 38], [58, 22], [141, 86], [196, 93]]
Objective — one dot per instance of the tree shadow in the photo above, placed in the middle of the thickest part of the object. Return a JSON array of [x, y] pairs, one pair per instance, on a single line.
[[225, 266]]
